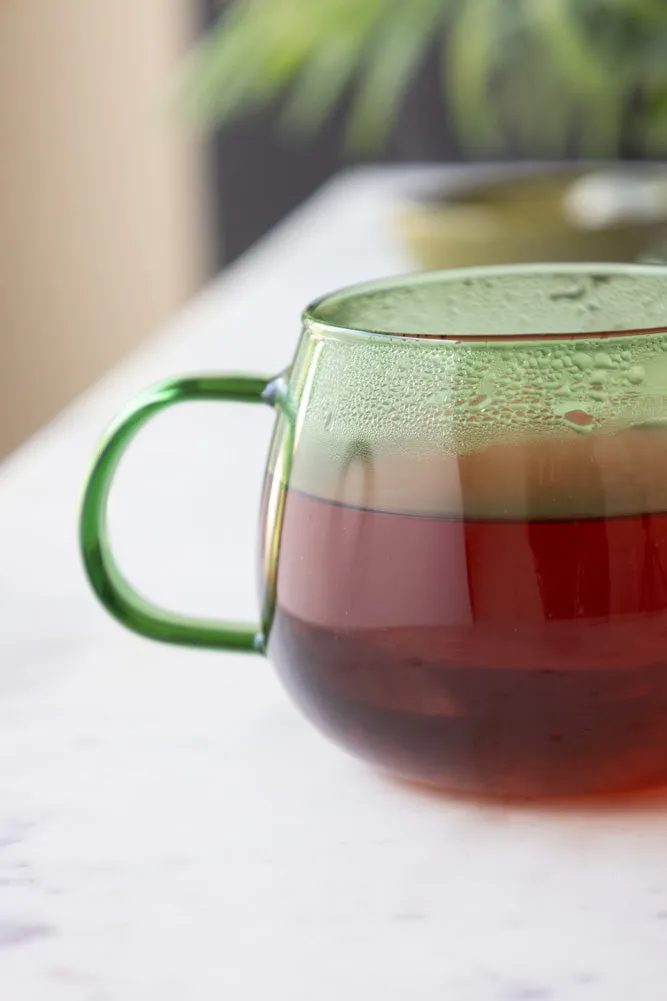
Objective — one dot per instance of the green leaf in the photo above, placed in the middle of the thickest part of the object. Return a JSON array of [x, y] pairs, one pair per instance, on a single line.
[[591, 79], [564, 38], [321, 84], [329, 70], [402, 39], [649, 12], [654, 125], [532, 69], [469, 59], [222, 78]]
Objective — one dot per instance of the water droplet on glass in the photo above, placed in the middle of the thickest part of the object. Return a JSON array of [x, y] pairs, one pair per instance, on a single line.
[[480, 403], [583, 360], [570, 291], [636, 374], [579, 420]]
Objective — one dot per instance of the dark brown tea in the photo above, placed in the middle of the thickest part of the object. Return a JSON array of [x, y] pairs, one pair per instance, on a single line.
[[512, 655]]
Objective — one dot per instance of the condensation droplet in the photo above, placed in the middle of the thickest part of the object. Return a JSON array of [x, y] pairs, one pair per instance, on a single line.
[[636, 374], [603, 360], [480, 403], [583, 360], [570, 291], [579, 420]]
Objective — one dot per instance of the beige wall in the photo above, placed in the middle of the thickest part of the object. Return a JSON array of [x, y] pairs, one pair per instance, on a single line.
[[101, 214]]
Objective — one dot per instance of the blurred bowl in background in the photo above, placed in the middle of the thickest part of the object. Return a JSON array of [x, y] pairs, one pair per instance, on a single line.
[[520, 219]]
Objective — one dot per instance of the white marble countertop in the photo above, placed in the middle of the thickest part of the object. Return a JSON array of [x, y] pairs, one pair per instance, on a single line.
[[170, 828]]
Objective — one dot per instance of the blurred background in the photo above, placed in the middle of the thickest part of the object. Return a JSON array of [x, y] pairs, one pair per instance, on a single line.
[[148, 143], [104, 227]]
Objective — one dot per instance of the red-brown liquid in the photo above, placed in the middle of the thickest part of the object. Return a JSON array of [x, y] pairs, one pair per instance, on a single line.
[[513, 657]]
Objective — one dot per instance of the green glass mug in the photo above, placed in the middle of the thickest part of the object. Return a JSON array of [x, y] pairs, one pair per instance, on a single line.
[[463, 526]]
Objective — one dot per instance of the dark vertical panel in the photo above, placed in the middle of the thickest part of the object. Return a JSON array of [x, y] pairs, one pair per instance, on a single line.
[[260, 176]]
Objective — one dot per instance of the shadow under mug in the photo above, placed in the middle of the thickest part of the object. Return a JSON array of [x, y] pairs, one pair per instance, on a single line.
[[463, 529]]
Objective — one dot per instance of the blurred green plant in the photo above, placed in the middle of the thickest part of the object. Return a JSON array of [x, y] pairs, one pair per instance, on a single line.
[[588, 76]]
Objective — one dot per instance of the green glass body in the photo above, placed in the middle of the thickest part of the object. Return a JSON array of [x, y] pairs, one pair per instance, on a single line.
[[463, 531]]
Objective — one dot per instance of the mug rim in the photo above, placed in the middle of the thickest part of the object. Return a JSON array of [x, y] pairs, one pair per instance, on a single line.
[[314, 322]]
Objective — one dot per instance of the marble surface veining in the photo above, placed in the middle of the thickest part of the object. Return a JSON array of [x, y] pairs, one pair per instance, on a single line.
[[170, 828]]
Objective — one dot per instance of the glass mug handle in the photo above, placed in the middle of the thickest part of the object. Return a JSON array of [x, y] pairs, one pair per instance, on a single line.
[[114, 591]]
